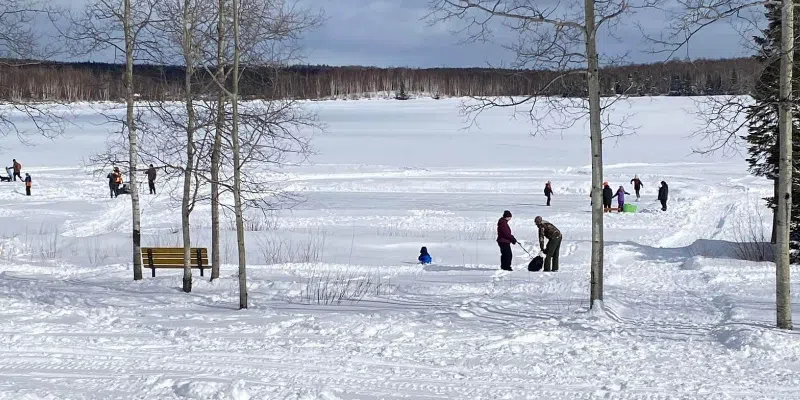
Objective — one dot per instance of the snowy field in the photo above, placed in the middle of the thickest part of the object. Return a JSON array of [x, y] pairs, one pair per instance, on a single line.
[[684, 318]]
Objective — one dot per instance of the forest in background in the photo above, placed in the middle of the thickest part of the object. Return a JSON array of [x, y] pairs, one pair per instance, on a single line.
[[85, 81]]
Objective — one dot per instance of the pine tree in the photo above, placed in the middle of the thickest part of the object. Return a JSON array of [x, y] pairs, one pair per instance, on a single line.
[[762, 115]]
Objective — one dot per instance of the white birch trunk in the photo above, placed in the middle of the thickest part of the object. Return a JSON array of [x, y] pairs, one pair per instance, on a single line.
[[237, 173], [133, 143], [784, 195], [596, 133]]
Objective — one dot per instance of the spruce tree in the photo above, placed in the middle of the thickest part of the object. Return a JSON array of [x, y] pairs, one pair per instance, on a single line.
[[762, 115]]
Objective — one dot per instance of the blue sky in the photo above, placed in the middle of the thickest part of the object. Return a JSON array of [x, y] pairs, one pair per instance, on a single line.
[[390, 33]]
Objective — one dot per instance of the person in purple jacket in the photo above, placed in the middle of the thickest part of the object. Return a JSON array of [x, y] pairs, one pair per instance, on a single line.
[[621, 197], [505, 239]]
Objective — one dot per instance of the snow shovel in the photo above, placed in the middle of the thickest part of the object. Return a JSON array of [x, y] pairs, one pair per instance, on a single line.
[[536, 263]]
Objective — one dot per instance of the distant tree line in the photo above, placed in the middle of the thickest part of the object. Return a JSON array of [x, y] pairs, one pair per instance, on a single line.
[[55, 81]]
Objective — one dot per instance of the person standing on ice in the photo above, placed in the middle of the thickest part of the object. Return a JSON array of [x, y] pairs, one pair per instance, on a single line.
[[608, 194], [114, 180], [151, 178], [637, 185], [553, 235], [663, 194], [28, 184], [424, 257], [505, 239], [17, 167], [548, 191], [620, 195]]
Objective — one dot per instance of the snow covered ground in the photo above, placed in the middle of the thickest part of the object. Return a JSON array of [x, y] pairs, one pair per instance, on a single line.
[[683, 317]]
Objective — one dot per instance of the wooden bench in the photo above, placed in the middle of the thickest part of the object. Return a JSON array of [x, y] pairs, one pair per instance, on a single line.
[[172, 257]]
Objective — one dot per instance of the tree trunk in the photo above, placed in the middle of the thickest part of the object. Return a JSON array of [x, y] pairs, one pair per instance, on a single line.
[[237, 173], [595, 129], [217, 147], [133, 144], [188, 170], [784, 198]]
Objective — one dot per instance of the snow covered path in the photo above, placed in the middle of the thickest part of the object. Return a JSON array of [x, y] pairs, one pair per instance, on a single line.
[[683, 318]]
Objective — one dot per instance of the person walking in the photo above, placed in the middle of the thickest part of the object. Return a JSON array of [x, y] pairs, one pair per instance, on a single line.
[[620, 195], [28, 184], [151, 178], [663, 194], [637, 185], [114, 180], [553, 236], [17, 170], [548, 191], [505, 239], [608, 195]]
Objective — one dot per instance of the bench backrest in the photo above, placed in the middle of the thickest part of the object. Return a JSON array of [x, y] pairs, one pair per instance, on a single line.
[[173, 256]]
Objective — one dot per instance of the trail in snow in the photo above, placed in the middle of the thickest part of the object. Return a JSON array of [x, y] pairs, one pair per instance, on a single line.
[[682, 317]]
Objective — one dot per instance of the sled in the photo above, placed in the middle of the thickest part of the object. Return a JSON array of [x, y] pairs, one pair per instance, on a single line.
[[629, 208], [10, 173], [536, 264]]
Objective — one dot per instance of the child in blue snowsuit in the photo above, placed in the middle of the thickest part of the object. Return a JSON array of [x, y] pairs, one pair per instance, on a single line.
[[621, 197], [424, 257]]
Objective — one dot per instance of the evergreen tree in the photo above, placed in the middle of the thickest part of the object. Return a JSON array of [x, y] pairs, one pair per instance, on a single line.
[[762, 115]]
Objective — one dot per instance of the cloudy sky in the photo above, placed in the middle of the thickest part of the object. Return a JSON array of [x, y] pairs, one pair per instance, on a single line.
[[394, 33]]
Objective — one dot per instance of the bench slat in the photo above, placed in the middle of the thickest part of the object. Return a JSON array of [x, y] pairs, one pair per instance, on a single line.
[[174, 250]]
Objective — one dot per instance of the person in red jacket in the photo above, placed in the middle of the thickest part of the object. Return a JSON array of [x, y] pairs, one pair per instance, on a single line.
[[505, 239]]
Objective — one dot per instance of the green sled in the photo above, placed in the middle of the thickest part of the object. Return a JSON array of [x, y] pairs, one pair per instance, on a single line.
[[629, 208]]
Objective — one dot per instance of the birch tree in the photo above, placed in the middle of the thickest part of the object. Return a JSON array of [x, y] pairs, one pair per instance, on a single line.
[[724, 130], [121, 25], [22, 45], [561, 38]]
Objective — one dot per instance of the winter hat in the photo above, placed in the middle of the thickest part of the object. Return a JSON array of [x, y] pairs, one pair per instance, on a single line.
[[538, 220], [423, 250], [506, 214]]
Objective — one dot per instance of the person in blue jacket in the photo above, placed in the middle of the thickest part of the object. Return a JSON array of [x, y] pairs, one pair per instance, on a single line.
[[424, 257]]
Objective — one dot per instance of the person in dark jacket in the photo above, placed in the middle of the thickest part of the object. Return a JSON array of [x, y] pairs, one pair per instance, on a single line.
[[608, 195], [553, 236], [28, 184], [663, 194], [505, 239], [424, 257], [151, 178], [620, 195], [548, 191], [17, 169], [637, 185], [114, 180]]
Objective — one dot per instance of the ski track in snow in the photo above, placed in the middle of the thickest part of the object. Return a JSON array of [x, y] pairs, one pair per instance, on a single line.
[[682, 317]]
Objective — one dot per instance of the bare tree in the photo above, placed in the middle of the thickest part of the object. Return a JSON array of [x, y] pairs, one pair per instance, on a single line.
[[121, 25], [21, 46], [561, 38], [694, 16]]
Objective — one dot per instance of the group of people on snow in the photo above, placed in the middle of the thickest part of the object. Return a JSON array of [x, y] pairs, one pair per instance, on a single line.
[[14, 172], [116, 187], [609, 194]]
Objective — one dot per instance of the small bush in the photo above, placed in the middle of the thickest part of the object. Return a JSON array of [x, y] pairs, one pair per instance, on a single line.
[[281, 250], [751, 239], [337, 287]]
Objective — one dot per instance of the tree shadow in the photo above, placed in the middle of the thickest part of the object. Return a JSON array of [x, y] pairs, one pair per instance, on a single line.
[[707, 248]]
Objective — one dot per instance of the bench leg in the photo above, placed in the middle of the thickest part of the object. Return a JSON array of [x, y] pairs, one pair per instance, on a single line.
[[154, 272], [201, 271]]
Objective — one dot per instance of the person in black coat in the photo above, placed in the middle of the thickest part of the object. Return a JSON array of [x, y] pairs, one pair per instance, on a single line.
[[548, 191], [663, 194], [608, 195]]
